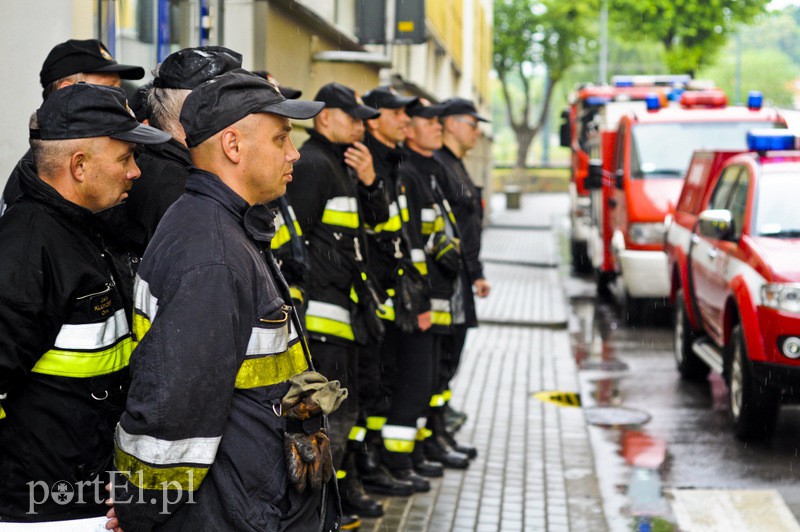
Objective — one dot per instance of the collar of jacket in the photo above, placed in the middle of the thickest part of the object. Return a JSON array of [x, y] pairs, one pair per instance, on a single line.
[[384, 152], [447, 153], [37, 190], [422, 162], [335, 148], [172, 150], [257, 220]]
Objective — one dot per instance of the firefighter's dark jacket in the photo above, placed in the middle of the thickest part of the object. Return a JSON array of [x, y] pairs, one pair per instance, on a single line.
[[465, 199], [420, 173], [13, 190], [216, 347], [165, 168], [64, 348], [329, 204]]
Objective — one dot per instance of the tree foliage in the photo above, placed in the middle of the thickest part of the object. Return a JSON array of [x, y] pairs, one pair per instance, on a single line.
[[691, 31], [537, 38]]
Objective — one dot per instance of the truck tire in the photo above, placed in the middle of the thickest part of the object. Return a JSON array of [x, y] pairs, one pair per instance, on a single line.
[[689, 365], [581, 263], [753, 408]]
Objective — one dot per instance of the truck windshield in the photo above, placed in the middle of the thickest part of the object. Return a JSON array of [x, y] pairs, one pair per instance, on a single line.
[[664, 150], [776, 211]]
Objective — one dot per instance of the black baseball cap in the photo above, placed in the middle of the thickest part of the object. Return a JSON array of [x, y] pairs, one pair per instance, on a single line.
[[462, 106], [424, 109], [387, 97], [226, 99], [289, 92], [188, 68], [337, 96], [88, 56], [83, 110], [137, 99]]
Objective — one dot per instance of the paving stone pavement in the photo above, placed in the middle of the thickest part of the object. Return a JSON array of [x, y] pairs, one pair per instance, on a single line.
[[534, 470]]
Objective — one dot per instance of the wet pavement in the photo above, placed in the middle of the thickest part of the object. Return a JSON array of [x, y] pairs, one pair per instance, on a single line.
[[660, 455]]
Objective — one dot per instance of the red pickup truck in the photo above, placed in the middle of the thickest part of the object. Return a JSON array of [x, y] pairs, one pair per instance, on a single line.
[[733, 249]]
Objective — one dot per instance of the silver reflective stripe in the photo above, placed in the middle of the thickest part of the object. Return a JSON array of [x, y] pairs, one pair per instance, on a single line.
[[342, 204], [401, 199], [269, 341], [428, 215], [279, 222], [143, 300], [440, 305], [393, 210], [168, 452], [90, 336], [417, 255], [398, 432], [329, 311]]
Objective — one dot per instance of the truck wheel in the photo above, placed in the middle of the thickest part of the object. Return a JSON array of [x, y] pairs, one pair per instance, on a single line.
[[753, 408], [580, 256], [689, 365]]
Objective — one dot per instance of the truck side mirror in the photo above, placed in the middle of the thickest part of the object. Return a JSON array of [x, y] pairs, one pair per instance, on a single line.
[[618, 178], [716, 223], [565, 131], [594, 181]]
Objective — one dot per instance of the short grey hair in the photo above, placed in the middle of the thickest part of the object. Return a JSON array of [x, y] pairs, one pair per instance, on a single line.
[[49, 155], [165, 108], [54, 85]]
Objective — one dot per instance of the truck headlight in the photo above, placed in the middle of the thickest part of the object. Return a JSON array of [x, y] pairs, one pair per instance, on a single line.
[[781, 296], [646, 233]]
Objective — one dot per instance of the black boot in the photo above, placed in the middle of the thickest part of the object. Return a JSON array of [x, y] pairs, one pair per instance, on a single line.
[[425, 467], [420, 484], [453, 419], [438, 451], [354, 500], [468, 450], [438, 426], [375, 478]]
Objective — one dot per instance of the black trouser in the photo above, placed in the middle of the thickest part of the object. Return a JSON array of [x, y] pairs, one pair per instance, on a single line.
[[452, 346], [339, 362], [410, 360], [373, 397]]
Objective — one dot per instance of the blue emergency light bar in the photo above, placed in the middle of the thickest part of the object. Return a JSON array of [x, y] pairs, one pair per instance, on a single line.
[[653, 102], [597, 100], [755, 100], [657, 81], [770, 139]]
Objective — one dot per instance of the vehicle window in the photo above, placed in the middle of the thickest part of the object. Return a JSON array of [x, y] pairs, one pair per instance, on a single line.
[[738, 201], [775, 205], [665, 150], [723, 188], [619, 149]]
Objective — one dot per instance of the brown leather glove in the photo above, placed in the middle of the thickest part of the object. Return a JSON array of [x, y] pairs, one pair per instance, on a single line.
[[306, 446]]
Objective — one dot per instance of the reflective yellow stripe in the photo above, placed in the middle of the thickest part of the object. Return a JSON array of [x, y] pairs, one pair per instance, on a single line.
[[144, 476], [423, 434], [2, 412], [447, 248], [438, 224], [282, 236], [353, 294], [141, 325], [392, 225], [422, 267], [272, 369], [444, 319], [341, 474], [329, 319], [386, 311], [341, 211], [357, 433], [447, 394], [296, 293], [437, 400], [427, 228], [375, 422], [398, 446], [403, 203], [420, 262], [82, 364]]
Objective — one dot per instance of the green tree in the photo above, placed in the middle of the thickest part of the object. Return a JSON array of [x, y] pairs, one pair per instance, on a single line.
[[534, 39], [691, 31]]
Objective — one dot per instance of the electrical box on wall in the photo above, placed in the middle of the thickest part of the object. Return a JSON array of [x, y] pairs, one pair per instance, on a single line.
[[409, 23], [371, 21]]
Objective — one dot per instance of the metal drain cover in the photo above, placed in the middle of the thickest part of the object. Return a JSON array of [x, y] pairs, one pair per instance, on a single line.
[[615, 416], [604, 365]]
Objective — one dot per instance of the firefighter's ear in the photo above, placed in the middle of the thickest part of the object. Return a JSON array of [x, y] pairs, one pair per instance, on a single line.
[[77, 165], [231, 144]]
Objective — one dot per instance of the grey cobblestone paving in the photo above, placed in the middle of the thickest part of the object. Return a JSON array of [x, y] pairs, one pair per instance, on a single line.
[[534, 470], [521, 247]]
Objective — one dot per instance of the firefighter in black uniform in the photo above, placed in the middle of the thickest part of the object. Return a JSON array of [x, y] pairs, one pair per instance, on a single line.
[[403, 359], [166, 167], [461, 132], [334, 186], [433, 225], [64, 318]]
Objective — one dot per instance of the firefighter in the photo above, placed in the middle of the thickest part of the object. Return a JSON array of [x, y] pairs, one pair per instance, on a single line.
[[68, 63], [435, 232], [461, 122], [334, 187], [223, 424], [401, 364], [166, 167], [64, 318]]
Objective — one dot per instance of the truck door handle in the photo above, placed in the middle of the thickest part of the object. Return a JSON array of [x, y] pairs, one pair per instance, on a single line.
[[712, 253]]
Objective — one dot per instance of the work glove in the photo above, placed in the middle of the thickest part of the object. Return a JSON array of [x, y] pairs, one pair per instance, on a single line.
[[446, 252], [306, 445]]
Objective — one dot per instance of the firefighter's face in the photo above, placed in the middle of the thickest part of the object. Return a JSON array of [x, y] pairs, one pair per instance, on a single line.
[[425, 133], [464, 129], [390, 127], [344, 128], [269, 156], [107, 172]]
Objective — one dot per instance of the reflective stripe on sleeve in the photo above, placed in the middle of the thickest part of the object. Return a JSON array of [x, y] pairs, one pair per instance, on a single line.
[[269, 341], [256, 372], [403, 203], [341, 211], [440, 312], [154, 451], [296, 293], [328, 319], [83, 364], [92, 336], [386, 311], [145, 476], [143, 300], [393, 224], [141, 325], [420, 261]]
